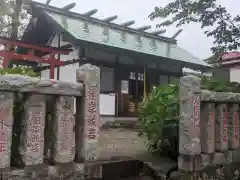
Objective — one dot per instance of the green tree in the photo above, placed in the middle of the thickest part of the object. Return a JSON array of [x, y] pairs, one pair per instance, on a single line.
[[214, 19]]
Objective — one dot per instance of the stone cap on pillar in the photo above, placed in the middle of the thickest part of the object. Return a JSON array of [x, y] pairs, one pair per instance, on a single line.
[[88, 73]]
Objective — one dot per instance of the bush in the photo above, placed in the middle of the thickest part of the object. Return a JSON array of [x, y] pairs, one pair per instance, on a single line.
[[158, 116]]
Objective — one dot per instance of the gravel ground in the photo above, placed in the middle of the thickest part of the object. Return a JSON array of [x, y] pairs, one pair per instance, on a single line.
[[125, 143], [120, 143]]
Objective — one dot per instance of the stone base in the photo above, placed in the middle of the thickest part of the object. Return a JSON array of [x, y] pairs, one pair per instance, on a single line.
[[45, 171]]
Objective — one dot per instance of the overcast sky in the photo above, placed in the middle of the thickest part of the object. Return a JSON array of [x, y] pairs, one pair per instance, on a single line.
[[191, 39]]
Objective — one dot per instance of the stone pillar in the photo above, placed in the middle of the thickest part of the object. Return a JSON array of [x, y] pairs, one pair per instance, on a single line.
[[189, 125], [233, 127], [64, 142], [32, 137], [207, 125], [222, 128], [6, 118], [88, 138]]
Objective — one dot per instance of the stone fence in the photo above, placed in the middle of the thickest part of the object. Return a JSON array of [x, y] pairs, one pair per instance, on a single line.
[[47, 129], [208, 132]]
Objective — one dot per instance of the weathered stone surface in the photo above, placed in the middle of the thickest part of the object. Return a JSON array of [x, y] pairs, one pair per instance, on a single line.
[[206, 160], [90, 75], [207, 125], [6, 121], [212, 96], [236, 155], [186, 163], [32, 137], [44, 86], [189, 126], [221, 128], [233, 128], [64, 141], [219, 158]]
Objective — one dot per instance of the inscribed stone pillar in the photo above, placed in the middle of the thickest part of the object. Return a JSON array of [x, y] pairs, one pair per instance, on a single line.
[[208, 127], [221, 135], [189, 125], [90, 75], [32, 137], [6, 118], [64, 142], [233, 122]]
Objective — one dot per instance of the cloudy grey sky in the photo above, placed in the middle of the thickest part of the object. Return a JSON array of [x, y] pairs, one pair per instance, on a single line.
[[191, 39]]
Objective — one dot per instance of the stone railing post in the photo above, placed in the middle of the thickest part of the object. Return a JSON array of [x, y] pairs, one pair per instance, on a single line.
[[207, 124], [189, 125], [63, 125], [6, 118], [32, 136], [234, 127], [222, 128], [88, 117]]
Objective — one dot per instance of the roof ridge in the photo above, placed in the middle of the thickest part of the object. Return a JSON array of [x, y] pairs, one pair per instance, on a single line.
[[96, 20]]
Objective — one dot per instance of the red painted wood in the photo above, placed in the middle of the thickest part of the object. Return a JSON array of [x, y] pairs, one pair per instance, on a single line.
[[47, 49], [15, 56], [51, 60]]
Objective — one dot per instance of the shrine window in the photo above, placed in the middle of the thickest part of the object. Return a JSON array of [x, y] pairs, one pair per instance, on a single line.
[[106, 79]]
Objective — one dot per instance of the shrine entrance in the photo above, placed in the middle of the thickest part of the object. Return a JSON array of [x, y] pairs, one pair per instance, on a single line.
[[132, 92]]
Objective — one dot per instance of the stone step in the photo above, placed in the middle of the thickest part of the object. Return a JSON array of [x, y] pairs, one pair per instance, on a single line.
[[122, 124]]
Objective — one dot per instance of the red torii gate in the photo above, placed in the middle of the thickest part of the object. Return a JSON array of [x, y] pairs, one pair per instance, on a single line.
[[30, 56]]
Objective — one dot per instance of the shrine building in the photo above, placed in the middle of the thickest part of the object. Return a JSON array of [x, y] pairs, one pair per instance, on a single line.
[[132, 60]]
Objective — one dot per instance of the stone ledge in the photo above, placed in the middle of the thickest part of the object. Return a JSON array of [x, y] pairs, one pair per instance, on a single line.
[[211, 96], [20, 83]]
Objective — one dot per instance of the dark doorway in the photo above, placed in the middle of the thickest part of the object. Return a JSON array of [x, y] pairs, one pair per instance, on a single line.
[[132, 92]]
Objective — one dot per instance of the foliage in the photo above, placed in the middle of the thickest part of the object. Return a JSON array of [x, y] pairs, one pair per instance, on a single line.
[[18, 70], [159, 115], [214, 18]]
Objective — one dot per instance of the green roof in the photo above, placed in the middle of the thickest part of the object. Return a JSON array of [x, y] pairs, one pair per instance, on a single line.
[[89, 31]]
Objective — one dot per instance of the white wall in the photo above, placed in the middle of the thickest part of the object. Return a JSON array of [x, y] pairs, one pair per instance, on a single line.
[[68, 73], [235, 74]]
